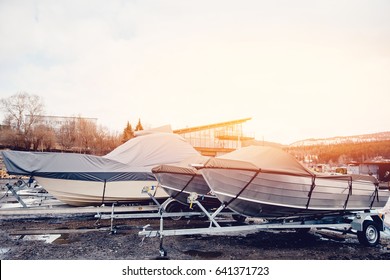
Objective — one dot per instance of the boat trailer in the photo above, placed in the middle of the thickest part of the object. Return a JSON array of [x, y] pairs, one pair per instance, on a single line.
[[170, 208], [367, 225]]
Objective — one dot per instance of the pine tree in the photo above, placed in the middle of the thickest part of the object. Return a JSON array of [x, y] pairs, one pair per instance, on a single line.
[[128, 133], [139, 126]]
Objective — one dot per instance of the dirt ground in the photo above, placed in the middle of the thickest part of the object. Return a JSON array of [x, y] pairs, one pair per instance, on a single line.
[[82, 238]]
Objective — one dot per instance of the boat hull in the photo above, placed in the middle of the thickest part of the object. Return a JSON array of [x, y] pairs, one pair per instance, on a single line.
[[94, 193], [276, 195], [180, 186]]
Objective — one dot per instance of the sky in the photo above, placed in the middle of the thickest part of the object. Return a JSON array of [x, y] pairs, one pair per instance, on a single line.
[[300, 69]]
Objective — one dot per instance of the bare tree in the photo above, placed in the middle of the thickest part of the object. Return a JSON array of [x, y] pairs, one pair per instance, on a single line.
[[105, 142], [112, 141], [24, 128], [66, 135], [85, 135], [43, 137], [22, 112], [8, 137]]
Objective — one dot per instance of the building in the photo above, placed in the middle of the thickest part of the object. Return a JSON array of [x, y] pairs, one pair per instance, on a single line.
[[57, 121], [216, 139], [378, 169], [353, 168]]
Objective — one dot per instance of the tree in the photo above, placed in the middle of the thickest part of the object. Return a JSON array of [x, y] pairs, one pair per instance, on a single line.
[[22, 112], [8, 137], [139, 126], [105, 142], [43, 137], [128, 133], [66, 135], [86, 134]]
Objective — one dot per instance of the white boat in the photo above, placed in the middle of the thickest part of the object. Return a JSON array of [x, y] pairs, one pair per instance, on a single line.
[[118, 177], [265, 182], [88, 193]]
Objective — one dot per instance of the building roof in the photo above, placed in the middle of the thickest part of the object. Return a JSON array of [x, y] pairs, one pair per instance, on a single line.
[[62, 117], [210, 126]]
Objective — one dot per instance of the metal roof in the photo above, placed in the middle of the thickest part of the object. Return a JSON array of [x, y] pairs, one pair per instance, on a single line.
[[210, 126]]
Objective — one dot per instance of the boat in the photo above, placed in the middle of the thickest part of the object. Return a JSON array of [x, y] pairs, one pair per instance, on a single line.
[[181, 180], [118, 177], [259, 181]]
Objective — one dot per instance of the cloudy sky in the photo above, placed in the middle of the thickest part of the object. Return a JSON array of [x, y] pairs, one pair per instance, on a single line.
[[300, 69]]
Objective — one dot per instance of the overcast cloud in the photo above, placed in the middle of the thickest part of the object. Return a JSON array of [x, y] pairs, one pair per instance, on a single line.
[[299, 68]]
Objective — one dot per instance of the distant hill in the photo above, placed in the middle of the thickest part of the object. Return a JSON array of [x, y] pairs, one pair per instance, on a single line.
[[261, 143], [343, 149], [373, 137]]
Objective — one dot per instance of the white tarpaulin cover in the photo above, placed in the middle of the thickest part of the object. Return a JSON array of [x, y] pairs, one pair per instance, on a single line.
[[152, 150]]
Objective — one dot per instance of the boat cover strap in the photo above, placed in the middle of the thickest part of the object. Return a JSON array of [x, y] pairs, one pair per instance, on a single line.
[[313, 185], [375, 195], [243, 189], [349, 193], [189, 181], [104, 191]]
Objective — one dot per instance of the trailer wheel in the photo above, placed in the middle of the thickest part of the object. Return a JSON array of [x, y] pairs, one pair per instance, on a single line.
[[239, 218], [370, 235], [175, 207], [302, 231]]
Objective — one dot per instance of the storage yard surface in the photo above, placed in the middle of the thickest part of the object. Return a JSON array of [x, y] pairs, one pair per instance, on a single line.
[[77, 234], [86, 238]]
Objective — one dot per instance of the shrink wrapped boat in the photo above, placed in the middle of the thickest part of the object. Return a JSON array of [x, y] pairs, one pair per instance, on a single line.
[[262, 181], [118, 177]]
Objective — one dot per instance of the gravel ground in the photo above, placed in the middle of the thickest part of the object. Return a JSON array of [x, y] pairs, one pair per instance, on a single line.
[[82, 238]]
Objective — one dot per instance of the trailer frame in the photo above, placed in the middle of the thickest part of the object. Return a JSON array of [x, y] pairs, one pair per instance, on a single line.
[[367, 225]]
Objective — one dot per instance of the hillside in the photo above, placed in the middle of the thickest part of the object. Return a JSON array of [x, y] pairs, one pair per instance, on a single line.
[[261, 143], [373, 137], [342, 153]]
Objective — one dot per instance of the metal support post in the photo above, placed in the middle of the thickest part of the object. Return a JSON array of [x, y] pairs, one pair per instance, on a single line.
[[162, 251], [14, 193], [193, 198], [146, 190], [211, 217], [112, 219]]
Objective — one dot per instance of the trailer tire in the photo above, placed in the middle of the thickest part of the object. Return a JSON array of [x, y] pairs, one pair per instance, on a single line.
[[370, 235], [302, 231], [174, 207], [239, 218]]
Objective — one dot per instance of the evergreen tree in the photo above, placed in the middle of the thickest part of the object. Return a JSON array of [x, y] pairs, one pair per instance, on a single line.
[[139, 126], [128, 133]]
